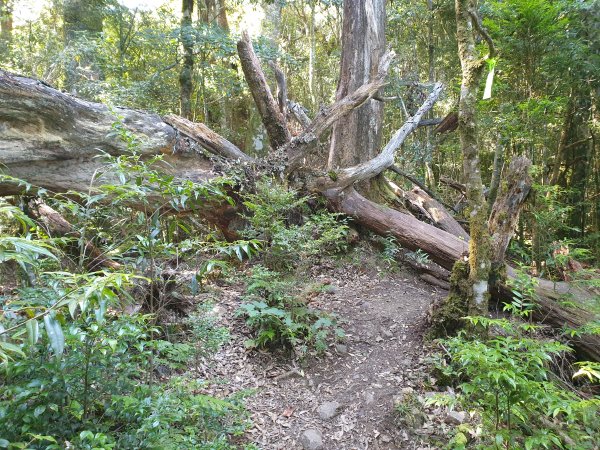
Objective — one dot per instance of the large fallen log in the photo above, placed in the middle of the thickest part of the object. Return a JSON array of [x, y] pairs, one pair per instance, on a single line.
[[53, 140]]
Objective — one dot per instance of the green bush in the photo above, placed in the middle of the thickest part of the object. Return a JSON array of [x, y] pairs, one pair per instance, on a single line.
[[280, 318], [292, 234], [507, 379], [101, 392]]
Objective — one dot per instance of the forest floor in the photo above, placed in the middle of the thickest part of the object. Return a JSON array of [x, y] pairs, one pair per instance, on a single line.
[[346, 398]]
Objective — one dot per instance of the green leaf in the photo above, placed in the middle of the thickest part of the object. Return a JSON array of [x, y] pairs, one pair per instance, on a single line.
[[55, 335], [33, 331], [39, 410]]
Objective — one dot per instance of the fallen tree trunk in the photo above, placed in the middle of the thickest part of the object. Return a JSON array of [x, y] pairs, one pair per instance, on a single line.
[[443, 247], [53, 140], [435, 212]]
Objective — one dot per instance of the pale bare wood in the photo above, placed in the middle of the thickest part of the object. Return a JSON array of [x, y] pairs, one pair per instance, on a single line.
[[207, 138], [272, 118]]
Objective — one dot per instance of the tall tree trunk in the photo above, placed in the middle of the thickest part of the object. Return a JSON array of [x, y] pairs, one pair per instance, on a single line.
[[222, 15], [357, 137], [311, 55], [472, 69], [186, 36]]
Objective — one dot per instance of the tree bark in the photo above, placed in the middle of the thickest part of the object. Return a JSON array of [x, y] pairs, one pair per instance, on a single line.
[[186, 37], [53, 140], [268, 108], [435, 212], [507, 207], [472, 66], [357, 138]]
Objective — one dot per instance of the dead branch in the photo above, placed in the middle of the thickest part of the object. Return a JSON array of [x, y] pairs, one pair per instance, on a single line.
[[207, 138], [271, 116], [348, 176], [301, 145]]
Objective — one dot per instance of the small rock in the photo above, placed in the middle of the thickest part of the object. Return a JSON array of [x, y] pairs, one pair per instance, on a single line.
[[407, 390], [456, 417], [312, 439], [385, 438], [328, 410], [342, 349]]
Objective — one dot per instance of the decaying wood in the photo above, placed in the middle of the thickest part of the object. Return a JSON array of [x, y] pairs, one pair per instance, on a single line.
[[557, 307], [507, 207], [207, 138], [369, 169], [53, 140], [299, 113], [55, 225], [454, 184], [268, 108], [435, 281], [448, 124], [441, 246], [305, 142], [435, 212], [282, 94]]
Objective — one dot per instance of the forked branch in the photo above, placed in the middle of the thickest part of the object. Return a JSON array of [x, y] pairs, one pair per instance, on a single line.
[[302, 144], [347, 177]]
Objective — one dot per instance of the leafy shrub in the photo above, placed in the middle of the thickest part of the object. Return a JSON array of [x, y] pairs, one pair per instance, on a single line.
[[506, 378], [291, 234], [101, 389], [279, 318]]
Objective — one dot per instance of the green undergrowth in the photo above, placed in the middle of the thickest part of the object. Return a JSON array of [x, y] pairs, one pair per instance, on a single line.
[[505, 378], [278, 315], [104, 358]]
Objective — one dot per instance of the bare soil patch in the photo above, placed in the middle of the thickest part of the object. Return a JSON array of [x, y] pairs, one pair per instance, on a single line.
[[357, 380]]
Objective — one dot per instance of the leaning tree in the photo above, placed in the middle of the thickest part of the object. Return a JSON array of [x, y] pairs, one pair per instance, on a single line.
[[52, 139]]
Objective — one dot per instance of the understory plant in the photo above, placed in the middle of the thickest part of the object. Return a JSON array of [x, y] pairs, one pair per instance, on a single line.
[[507, 381], [292, 234], [278, 316], [79, 372]]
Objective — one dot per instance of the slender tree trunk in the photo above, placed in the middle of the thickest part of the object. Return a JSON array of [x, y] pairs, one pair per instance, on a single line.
[[562, 143], [186, 37], [496, 172], [472, 66], [6, 24], [311, 55], [81, 17], [222, 15]]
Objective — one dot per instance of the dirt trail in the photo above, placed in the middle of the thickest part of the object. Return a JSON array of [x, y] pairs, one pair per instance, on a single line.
[[382, 355]]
